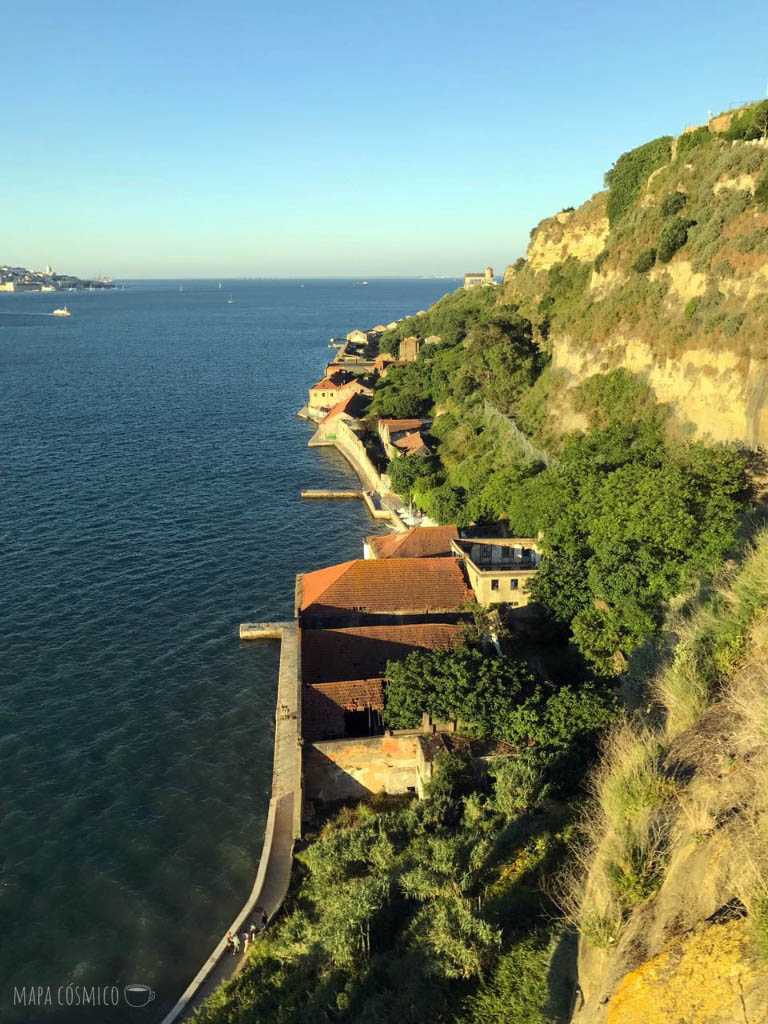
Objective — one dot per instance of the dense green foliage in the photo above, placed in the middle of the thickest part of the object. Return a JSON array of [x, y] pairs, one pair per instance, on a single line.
[[673, 237], [672, 203], [497, 696], [644, 261], [628, 520], [413, 912], [692, 140], [447, 318], [750, 123], [629, 174]]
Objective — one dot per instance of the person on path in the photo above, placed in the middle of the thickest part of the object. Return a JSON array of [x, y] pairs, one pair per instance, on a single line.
[[229, 939], [253, 931], [245, 942], [235, 945]]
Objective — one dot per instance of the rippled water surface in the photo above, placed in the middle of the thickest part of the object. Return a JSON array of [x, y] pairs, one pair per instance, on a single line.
[[150, 466]]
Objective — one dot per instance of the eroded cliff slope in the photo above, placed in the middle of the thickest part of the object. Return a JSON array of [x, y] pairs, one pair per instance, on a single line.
[[665, 274]]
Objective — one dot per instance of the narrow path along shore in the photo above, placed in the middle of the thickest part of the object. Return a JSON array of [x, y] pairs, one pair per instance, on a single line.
[[283, 822]]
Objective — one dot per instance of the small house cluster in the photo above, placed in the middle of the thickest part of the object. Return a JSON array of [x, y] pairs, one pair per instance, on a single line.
[[410, 592]]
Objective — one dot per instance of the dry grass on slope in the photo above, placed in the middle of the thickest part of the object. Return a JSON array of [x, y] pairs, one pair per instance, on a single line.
[[719, 652]]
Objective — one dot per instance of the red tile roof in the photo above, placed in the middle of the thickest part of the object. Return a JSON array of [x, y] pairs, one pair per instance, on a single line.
[[333, 380], [418, 542], [362, 652], [388, 587], [353, 405], [323, 706], [411, 444], [394, 425]]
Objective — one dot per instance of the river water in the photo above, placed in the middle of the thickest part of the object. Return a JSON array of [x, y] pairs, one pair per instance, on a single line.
[[150, 466]]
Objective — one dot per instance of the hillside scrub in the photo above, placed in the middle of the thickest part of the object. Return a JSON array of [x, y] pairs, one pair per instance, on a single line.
[[628, 517], [626, 831], [719, 218], [496, 697], [403, 912], [628, 175]]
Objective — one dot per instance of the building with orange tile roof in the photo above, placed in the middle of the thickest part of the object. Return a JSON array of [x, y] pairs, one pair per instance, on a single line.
[[368, 590], [413, 444], [362, 652], [391, 431], [418, 542], [349, 708], [334, 388], [499, 569]]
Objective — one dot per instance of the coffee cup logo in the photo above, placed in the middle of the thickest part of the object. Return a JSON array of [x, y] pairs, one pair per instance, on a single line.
[[138, 995]]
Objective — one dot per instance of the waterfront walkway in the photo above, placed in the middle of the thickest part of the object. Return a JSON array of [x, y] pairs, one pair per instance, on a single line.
[[283, 823]]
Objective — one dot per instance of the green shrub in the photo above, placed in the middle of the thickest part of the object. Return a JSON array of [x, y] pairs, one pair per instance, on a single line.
[[761, 192], [630, 172], [672, 203], [600, 260], [692, 140], [690, 309], [519, 783], [750, 123], [673, 237], [644, 261]]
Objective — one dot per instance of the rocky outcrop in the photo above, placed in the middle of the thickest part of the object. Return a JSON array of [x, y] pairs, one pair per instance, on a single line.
[[715, 395], [575, 233]]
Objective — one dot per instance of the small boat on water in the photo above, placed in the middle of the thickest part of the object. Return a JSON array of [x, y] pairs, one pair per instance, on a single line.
[[229, 301], [61, 312]]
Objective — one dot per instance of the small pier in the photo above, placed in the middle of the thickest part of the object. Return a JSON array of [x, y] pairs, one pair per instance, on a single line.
[[309, 493], [261, 630]]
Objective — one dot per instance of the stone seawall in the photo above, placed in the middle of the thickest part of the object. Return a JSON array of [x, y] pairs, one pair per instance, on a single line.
[[283, 821]]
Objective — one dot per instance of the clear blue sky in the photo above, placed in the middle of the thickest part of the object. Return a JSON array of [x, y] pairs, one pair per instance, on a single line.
[[294, 138]]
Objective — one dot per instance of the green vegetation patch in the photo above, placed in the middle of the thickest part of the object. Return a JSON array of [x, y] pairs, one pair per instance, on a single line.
[[672, 203], [693, 140], [673, 237], [645, 261], [631, 171], [406, 912], [761, 192]]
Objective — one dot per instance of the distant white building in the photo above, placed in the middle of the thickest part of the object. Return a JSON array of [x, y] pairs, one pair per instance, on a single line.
[[478, 280]]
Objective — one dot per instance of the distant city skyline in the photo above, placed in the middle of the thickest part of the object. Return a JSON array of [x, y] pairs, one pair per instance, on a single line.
[[336, 141]]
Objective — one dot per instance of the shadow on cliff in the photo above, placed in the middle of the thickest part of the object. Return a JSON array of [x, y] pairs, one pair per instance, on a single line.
[[562, 978]]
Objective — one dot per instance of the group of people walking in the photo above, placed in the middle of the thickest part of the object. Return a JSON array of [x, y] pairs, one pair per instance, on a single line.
[[249, 935]]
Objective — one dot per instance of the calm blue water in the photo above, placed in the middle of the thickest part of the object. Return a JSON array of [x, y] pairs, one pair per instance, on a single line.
[[150, 468]]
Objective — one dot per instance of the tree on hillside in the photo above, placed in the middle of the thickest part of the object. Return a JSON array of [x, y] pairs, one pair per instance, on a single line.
[[498, 697]]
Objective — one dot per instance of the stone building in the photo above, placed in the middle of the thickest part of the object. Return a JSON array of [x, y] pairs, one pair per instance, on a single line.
[[499, 569], [478, 280], [409, 349]]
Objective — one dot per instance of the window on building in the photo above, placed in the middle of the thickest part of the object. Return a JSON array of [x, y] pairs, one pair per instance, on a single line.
[[513, 584], [494, 584]]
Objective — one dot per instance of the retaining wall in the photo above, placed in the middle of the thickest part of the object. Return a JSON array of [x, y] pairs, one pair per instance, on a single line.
[[353, 768], [283, 820]]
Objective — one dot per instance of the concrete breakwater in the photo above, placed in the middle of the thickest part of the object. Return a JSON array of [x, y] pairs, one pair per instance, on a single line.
[[283, 820], [310, 493]]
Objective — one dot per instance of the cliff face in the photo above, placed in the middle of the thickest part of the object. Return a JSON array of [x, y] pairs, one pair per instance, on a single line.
[[714, 393], [689, 953], [694, 321], [575, 233]]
